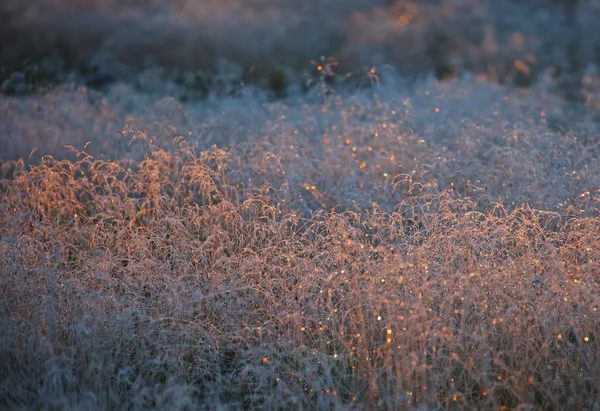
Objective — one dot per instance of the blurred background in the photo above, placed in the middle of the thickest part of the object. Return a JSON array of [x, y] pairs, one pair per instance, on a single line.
[[208, 44]]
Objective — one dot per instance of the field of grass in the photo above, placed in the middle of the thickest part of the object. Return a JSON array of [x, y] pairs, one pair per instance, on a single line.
[[359, 243]]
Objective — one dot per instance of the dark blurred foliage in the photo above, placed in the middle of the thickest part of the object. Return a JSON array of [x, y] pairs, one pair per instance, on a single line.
[[271, 42]]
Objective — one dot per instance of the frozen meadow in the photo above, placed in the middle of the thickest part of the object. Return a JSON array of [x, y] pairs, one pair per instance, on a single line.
[[199, 211]]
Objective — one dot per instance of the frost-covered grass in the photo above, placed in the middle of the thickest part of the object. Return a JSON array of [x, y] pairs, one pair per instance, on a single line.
[[239, 228], [392, 248]]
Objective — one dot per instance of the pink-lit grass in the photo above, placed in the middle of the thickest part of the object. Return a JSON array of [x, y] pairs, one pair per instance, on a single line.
[[298, 265]]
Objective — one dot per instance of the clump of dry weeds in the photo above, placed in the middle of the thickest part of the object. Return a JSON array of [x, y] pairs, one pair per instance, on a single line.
[[344, 253]]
